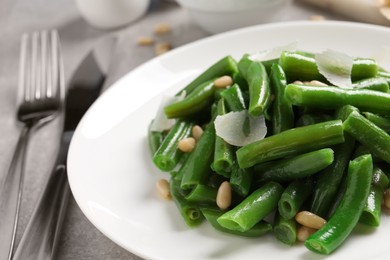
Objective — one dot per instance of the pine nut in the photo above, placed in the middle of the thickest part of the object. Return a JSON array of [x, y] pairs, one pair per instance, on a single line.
[[304, 232], [197, 132], [186, 145], [386, 198], [162, 47], [162, 28], [317, 83], [308, 219], [298, 82], [317, 18], [163, 190], [145, 40], [224, 195], [223, 82]]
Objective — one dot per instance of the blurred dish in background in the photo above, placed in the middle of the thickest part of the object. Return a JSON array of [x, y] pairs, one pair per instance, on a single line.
[[369, 11], [217, 16], [108, 14]]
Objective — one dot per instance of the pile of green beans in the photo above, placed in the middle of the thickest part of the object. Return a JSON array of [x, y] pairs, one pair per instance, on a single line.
[[326, 150]]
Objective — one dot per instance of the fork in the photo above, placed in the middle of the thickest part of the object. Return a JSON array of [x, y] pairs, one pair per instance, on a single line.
[[40, 99]]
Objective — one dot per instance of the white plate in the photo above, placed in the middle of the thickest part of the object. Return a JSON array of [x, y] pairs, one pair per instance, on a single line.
[[112, 177]]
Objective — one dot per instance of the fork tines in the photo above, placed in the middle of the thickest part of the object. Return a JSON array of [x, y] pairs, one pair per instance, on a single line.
[[40, 72]]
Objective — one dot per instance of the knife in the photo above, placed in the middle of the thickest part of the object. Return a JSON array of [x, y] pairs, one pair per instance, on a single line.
[[42, 233]]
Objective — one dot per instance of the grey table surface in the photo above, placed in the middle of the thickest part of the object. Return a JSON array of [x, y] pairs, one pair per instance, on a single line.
[[79, 239]]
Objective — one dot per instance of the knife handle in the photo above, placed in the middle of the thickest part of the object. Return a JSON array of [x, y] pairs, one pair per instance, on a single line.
[[43, 230]]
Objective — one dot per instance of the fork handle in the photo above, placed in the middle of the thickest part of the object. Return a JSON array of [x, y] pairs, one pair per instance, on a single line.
[[10, 196], [41, 236]]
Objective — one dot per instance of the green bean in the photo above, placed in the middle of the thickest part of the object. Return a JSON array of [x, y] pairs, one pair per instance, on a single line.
[[300, 65], [239, 80], [259, 91], [241, 180], [347, 215], [225, 66], [376, 83], [385, 75], [285, 230], [167, 156], [202, 194], [155, 139], [296, 167], [334, 97], [363, 68], [199, 99], [368, 134], [282, 116], [234, 98], [294, 196], [371, 214], [269, 63], [329, 179], [380, 121], [291, 142], [362, 150], [197, 167], [253, 208], [223, 152], [257, 230], [190, 212]]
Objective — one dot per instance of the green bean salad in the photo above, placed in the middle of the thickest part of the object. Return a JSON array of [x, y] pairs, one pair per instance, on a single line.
[[296, 145]]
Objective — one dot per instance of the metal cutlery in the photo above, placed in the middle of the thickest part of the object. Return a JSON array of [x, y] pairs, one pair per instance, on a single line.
[[41, 89], [50, 210]]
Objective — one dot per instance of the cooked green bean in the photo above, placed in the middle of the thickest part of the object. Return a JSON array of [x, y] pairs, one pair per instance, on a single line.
[[368, 134], [329, 179], [223, 152], [282, 117], [371, 214], [294, 196], [241, 180], [259, 91], [167, 156], [189, 211], [376, 83], [253, 208], [202, 194], [199, 99], [285, 230], [293, 168], [300, 65], [380, 121], [291, 142], [225, 66], [257, 230], [347, 215], [234, 98], [155, 139], [334, 97], [197, 167]]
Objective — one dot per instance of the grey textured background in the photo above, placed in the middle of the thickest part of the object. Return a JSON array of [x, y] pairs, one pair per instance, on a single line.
[[80, 239]]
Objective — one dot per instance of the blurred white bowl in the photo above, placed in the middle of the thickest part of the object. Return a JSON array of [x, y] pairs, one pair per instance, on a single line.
[[217, 16]]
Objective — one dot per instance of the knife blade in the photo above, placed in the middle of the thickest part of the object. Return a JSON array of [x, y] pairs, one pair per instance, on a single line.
[[41, 236]]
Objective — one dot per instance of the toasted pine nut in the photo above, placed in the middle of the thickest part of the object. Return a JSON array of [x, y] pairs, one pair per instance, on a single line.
[[163, 190], [223, 82], [224, 195], [162, 47], [304, 232], [386, 198], [162, 28], [317, 83], [309, 219], [186, 145], [197, 132], [145, 40], [317, 18], [298, 82]]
